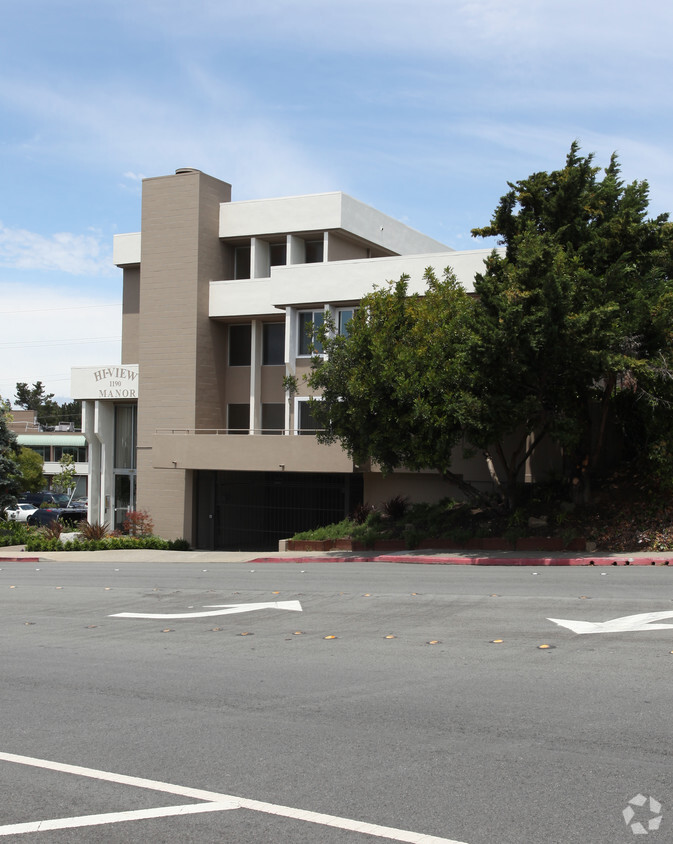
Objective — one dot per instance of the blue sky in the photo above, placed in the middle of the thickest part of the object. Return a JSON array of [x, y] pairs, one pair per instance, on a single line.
[[423, 109]]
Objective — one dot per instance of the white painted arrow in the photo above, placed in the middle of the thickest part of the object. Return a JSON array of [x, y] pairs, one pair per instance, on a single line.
[[228, 609], [625, 624]]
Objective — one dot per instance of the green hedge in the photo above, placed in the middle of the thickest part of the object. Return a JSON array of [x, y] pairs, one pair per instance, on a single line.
[[13, 533], [112, 543]]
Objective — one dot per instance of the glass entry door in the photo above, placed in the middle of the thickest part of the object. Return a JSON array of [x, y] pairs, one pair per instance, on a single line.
[[125, 498]]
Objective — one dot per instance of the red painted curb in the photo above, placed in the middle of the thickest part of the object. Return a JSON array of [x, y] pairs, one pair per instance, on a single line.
[[19, 559], [526, 561], [314, 560], [474, 561]]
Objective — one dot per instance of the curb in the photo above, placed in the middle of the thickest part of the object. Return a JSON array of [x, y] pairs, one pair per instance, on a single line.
[[19, 559], [474, 561], [526, 561]]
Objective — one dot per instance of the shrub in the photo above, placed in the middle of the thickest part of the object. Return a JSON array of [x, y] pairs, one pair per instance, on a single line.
[[13, 533], [359, 515], [53, 530], [396, 507], [178, 545], [93, 530], [340, 530], [138, 523], [40, 542]]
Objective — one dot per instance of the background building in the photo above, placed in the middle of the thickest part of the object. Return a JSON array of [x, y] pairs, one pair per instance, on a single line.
[[195, 424], [51, 446]]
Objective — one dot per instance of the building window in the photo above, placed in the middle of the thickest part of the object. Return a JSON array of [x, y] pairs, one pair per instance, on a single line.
[[78, 452], [273, 418], [241, 262], [277, 254], [125, 436], [315, 249], [273, 344], [309, 323], [304, 421], [43, 450], [345, 315], [238, 418], [239, 345]]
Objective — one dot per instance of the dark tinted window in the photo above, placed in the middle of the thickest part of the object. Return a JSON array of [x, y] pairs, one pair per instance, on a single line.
[[273, 347], [239, 345], [242, 262], [273, 418], [314, 251], [277, 254], [238, 418]]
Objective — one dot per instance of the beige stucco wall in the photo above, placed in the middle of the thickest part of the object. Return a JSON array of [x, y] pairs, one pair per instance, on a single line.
[[243, 452], [130, 314], [180, 351], [416, 487], [272, 384]]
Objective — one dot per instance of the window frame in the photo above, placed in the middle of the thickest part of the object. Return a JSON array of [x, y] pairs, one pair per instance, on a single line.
[[278, 430], [241, 430], [297, 431], [301, 336], [339, 327], [232, 326], [265, 328]]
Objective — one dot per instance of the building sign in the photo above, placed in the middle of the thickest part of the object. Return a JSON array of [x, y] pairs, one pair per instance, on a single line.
[[104, 382]]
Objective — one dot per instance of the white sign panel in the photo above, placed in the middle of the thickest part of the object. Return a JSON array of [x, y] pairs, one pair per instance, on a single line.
[[115, 381]]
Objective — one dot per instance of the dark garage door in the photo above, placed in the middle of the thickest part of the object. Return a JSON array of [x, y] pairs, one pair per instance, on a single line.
[[254, 510]]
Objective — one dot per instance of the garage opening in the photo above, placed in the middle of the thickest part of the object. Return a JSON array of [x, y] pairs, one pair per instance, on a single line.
[[248, 511]]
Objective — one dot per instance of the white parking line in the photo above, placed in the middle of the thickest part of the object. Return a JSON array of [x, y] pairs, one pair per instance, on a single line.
[[215, 803], [114, 817]]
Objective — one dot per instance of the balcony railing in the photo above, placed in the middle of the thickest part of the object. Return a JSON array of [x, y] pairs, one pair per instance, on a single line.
[[239, 431]]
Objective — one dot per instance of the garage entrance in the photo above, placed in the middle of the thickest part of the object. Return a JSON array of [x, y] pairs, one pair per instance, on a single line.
[[252, 511]]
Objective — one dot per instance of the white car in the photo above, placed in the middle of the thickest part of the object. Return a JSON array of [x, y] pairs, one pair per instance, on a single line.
[[20, 512]]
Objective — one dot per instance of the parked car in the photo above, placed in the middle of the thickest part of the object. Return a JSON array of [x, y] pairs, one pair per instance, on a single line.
[[70, 516], [58, 499], [20, 512]]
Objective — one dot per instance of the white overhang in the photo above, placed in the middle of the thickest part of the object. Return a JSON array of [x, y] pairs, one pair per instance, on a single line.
[[126, 249], [318, 213], [337, 281]]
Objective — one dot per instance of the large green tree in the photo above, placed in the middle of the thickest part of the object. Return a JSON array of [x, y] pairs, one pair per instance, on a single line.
[[9, 487], [397, 388], [49, 412], [30, 468], [568, 333], [574, 318]]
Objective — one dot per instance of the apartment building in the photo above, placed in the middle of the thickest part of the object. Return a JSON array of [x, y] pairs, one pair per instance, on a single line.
[[52, 445], [194, 424]]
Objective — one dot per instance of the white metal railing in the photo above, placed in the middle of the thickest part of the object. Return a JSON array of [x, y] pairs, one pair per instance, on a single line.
[[237, 431]]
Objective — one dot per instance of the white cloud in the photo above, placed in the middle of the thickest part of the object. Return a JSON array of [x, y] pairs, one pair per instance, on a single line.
[[63, 251], [458, 27], [220, 128], [47, 330]]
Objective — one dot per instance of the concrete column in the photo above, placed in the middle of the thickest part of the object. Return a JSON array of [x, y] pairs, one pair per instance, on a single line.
[[296, 250], [260, 258], [104, 431], [290, 356], [256, 376], [94, 477]]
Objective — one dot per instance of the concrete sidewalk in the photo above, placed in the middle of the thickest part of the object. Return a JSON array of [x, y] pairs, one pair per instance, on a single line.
[[424, 557]]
